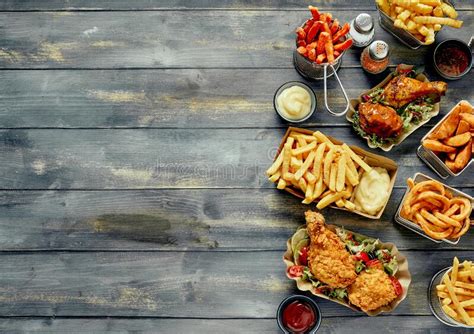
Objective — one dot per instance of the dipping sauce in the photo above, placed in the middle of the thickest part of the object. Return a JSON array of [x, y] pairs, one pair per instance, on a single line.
[[298, 317], [452, 60], [294, 103], [373, 190]]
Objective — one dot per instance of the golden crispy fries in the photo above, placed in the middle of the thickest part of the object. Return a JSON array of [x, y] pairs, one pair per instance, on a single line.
[[437, 146], [440, 214], [341, 173], [459, 140], [454, 298], [327, 166], [420, 17], [356, 158], [438, 20], [317, 170]]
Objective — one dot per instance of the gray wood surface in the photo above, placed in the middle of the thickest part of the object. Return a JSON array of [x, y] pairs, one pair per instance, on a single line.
[[13, 5], [177, 98], [329, 325], [175, 284], [179, 220], [134, 136], [164, 158], [182, 39]]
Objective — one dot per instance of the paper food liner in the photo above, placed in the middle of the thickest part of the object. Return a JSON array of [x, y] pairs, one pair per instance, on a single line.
[[403, 275], [354, 103], [374, 160]]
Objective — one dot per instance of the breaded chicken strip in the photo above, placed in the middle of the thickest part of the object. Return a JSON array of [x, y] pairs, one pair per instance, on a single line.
[[372, 289], [328, 258]]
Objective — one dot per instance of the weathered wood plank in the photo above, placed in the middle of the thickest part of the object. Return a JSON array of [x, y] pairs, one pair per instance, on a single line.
[[164, 39], [165, 158], [178, 4], [173, 284], [342, 325], [210, 219], [183, 98]]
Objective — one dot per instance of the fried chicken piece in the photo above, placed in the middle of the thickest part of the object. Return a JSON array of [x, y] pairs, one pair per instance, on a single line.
[[402, 90], [328, 258], [371, 290], [380, 120]]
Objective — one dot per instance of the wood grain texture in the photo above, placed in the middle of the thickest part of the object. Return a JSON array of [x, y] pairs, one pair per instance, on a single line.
[[329, 325], [163, 158], [182, 98], [174, 284], [200, 4], [179, 220], [190, 39]]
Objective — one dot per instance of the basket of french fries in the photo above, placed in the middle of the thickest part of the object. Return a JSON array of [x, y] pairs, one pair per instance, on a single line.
[[321, 42], [447, 148], [416, 22], [451, 295], [322, 170], [434, 210]]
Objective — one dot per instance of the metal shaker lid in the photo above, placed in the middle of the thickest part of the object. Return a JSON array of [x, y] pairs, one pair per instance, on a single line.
[[378, 50], [363, 23]]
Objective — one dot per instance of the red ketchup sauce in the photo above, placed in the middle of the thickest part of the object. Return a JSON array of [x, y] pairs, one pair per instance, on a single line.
[[451, 60], [298, 317]]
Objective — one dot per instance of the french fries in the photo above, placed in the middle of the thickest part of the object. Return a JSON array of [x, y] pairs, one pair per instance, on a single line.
[[440, 214], [322, 39], [452, 139], [420, 17], [456, 292], [327, 175]]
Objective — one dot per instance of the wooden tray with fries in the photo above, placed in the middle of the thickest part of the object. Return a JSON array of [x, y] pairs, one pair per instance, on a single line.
[[419, 177], [344, 190]]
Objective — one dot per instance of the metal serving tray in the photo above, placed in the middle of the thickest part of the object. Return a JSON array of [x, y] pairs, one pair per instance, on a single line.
[[419, 177], [386, 22], [432, 160]]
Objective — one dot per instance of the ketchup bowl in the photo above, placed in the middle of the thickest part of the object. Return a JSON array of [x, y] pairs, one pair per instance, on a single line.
[[452, 58], [299, 314]]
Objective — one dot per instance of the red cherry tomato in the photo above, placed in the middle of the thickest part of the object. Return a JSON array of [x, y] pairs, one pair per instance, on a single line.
[[363, 256], [303, 258], [396, 285], [373, 263], [295, 271]]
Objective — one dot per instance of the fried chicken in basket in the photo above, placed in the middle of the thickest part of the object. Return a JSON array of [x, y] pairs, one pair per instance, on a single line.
[[328, 258], [380, 120], [372, 289]]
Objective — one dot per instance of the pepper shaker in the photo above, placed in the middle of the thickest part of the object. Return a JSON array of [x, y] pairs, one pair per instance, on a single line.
[[375, 58]]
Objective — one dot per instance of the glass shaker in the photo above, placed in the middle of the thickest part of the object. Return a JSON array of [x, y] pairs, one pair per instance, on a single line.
[[375, 58], [362, 30]]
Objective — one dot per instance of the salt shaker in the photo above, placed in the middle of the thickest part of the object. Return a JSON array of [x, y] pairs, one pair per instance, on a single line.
[[375, 58], [362, 30]]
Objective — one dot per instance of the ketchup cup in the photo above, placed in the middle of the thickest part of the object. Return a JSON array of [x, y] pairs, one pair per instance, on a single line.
[[459, 46], [307, 303]]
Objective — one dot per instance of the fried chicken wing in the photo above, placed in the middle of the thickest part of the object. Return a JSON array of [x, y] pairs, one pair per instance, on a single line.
[[380, 120], [371, 290], [328, 258], [402, 90]]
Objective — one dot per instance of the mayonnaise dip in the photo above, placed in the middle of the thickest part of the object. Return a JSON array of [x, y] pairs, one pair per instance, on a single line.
[[373, 190], [294, 103]]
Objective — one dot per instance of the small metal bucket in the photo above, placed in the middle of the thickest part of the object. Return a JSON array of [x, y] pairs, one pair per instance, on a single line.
[[313, 71]]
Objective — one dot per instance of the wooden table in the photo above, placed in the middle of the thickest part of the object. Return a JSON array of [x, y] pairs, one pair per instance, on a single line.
[[134, 139]]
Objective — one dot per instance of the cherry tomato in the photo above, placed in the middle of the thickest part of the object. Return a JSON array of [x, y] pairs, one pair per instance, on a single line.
[[295, 271], [373, 263], [303, 258], [396, 285], [363, 256]]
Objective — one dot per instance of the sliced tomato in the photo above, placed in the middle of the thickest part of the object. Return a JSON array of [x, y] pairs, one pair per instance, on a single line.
[[363, 256], [295, 271], [303, 258], [373, 263], [396, 285]]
